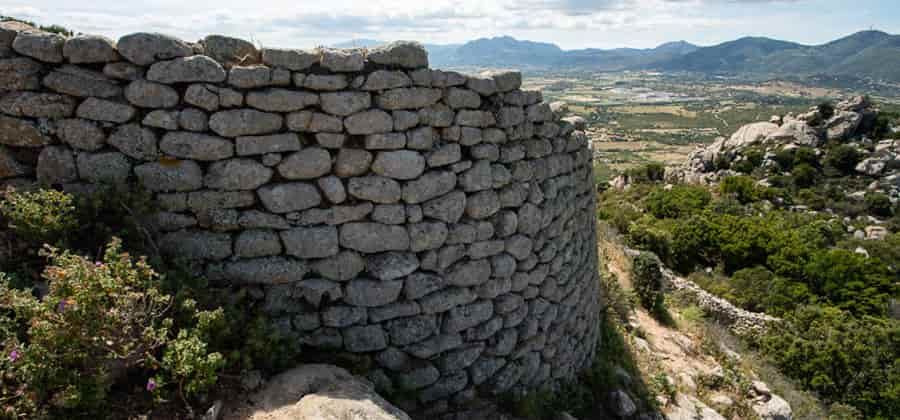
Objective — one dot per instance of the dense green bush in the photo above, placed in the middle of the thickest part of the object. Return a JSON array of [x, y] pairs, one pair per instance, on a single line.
[[98, 321], [851, 360], [850, 281], [804, 176], [743, 188], [826, 110], [680, 200], [40, 217], [651, 172], [842, 158], [879, 204], [647, 281]]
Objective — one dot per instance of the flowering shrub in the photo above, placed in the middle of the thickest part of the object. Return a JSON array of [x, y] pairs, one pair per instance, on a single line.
[[98, 321], [39, 217]]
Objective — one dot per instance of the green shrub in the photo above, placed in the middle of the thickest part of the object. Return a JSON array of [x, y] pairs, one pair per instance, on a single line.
[[850, 281], [680, 200], [651, 172], [652, 235], [40, 217], [842, 158], [647, 280], [826, 110], [785, 159], [743, 188], [851, 360], [98, 322], [879, 204], [804, 175]]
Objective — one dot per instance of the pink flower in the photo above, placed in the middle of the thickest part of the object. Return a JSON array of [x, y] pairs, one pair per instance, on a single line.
[[98, 264], [151, 385], [62, 306], [14, 355]]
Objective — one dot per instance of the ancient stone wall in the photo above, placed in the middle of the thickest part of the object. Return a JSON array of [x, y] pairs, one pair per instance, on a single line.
[[440, 223]]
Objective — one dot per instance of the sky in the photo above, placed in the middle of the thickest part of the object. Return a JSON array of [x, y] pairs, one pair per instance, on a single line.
[[571, 24]]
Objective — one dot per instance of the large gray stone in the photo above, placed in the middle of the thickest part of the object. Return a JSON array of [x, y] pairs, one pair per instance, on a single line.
[[462, 98], [470, 273], [408, 98], [56, 165], [426, 236], [182, 175], [309, 163], [288, 197], [244, 122], [314, 242], [374, 237], [345, 103], [448, 208], [236, 175], [321, 392], [377, 189], [352, 162], [90, 49], [363, 339], [430, 185], [20, 73], [342, 60], [76, 81], [135, 141], [391, 265], [196, 245], [400, 164], [369, 122], [197, 68], [386, 79], [81, 134], [43, 46], [151, 95], [260, 145], [20, 133], [341, 267], [257, 243], [103, 110], [9, 166], [324, 82], [268, 270], [200, 201], [196, 146], [107, 167], [482, 205], [281, 100], [372, 293], [294, 60], [146, 48], [37, 105], [228, 50], [405, 54], [251, 77]]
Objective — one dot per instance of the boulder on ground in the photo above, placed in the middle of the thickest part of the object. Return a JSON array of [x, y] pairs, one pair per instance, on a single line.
[[320, 392]]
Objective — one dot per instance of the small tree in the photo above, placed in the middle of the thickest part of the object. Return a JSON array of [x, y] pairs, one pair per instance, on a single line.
[[647, 280]]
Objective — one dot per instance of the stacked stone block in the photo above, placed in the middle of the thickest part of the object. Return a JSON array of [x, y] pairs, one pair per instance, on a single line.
[[440, 223]]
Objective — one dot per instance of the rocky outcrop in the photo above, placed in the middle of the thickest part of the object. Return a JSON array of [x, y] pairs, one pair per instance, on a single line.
[[439, 224], [316, 392], [851, 120]]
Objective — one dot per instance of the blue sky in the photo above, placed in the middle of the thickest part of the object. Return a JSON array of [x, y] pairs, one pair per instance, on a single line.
[[568, 23]]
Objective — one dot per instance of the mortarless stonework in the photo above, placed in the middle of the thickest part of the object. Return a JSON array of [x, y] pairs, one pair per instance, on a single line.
[[440, 223]]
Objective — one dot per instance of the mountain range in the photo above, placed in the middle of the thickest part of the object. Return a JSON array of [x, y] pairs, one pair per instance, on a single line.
[[866, 54]]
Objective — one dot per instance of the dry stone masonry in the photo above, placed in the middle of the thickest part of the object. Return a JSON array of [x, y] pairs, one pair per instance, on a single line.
[[440, 224]]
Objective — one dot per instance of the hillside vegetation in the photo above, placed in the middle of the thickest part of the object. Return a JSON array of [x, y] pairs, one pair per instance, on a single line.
[[800, 226]]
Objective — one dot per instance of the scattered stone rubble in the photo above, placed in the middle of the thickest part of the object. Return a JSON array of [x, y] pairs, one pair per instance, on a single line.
[[441, 224]]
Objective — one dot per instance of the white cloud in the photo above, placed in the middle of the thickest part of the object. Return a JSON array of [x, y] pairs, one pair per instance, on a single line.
[[298, 23]]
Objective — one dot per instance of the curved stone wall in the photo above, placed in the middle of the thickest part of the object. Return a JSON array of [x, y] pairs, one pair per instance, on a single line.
[[440, 223]]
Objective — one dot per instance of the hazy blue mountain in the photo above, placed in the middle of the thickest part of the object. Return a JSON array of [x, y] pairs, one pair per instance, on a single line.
[[871, 54]]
